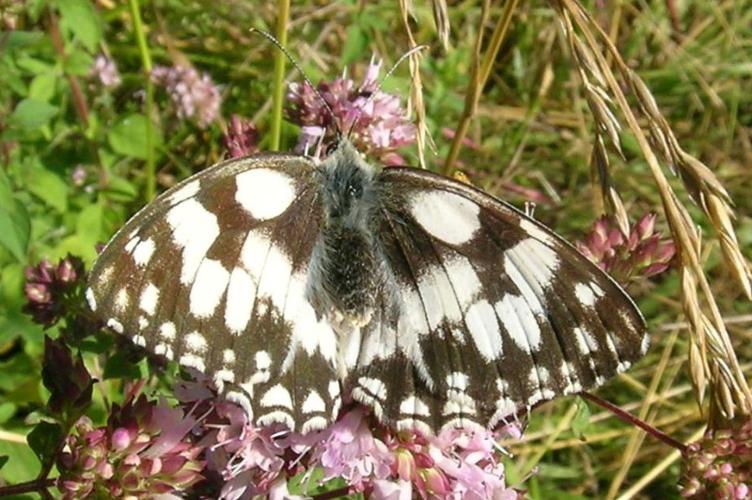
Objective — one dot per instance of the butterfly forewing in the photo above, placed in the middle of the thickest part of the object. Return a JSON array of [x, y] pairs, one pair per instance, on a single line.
[[213, 275], [497, 312]]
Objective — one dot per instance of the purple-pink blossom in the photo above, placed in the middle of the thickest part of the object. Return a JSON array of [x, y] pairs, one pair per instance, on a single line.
[[643, 252], [373, 120], [194, 94], [106, 71]]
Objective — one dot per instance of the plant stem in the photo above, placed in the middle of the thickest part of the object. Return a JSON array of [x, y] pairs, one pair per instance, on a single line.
[[143, 49], [631, 419], [481, 73], [35, 485], [275, 132]]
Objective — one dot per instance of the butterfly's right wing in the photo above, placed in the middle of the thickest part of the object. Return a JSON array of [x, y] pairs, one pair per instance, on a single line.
[[485, 312], [213, 274]]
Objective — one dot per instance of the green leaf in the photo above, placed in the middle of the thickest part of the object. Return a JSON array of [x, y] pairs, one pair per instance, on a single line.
[[3, 460], [7, 410], [42, 87], [22, 466], [78, 63], [128, 136], [15, 225], [356, 43], [33, 113], [49, 187], [581, 420], [89, 225], [44, 439], [80, 18]]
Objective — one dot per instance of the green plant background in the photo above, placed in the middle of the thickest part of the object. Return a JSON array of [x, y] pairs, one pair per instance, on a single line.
[[532, 128]]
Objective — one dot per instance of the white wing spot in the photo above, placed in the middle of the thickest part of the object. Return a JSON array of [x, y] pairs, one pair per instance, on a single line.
[[167, 330], [194, 229], [142, 323], [241, 291], [189, 190], [208, 288], [143, 252], [374, 386], [313, 424], [532, 229], [414, 406], [121, 300], [457, 380], [162, 349], [131, 244], [520, 322], [193, 361], [195, 342], [263, 361], [264, 193], [149, 299], [446, 216], [645, 344], [458, 403], [585, 341], [274, 417], [584, 294], [139, 340], [115, 325], [484, 329], [90, 299], [277, 396], [531, 265], [438, 297], [228, 356], [313, 403]]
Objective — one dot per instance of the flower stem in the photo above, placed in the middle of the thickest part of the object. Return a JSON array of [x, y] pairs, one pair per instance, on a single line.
[[35, 485], [143, 49], [631, 419], [480, 75], [283, 13]]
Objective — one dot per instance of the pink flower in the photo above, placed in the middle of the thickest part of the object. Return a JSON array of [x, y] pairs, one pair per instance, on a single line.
[[194, 95], [642, 252], [145, 450], [106, 71], [373, 120], [48, 288], [351, 452], [719, 465], [241, 138]]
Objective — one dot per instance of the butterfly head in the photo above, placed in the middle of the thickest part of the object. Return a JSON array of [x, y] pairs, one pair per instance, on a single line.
[[348, 185]]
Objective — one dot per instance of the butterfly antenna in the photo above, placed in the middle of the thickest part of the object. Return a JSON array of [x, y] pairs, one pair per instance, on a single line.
[[380, 83], [295, 65]]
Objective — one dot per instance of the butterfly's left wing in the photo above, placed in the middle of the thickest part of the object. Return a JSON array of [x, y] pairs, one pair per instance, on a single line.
[[494, 312], [213, 274]]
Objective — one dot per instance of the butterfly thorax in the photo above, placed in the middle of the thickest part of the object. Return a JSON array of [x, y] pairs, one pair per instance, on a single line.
[[346, 253]]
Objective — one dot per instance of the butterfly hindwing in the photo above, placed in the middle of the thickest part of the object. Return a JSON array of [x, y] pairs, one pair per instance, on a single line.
[[213, 275], [497, 312]]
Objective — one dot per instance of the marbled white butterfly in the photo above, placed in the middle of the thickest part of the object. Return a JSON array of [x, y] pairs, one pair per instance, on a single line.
[[297, 284]]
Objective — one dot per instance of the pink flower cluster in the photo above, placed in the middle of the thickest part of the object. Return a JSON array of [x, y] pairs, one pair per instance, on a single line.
[[48, 287], [145, 450], [642, 252], [719, 465], [373, 120], [370, 458], [106, 71], [194, 95]]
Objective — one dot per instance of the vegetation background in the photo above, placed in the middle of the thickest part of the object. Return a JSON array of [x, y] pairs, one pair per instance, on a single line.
[[79, 156]]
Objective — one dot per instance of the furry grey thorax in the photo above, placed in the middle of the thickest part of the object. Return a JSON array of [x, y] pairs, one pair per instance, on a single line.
[[348, 272]]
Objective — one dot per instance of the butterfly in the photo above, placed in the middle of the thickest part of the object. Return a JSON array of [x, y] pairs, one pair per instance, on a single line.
[[299, 284]]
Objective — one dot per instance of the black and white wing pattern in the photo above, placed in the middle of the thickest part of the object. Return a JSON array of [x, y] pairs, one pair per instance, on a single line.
[[495, 313], [213, 275], [295, 285]]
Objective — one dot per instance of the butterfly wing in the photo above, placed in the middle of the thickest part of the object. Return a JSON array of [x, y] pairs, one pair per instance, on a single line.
[[495, 314], [213, 275]]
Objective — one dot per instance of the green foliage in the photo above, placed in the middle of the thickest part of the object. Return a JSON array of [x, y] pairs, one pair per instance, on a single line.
[[73, 168]]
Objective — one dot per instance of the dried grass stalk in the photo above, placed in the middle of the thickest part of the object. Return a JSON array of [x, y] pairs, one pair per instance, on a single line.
[[416, 104], [714, 367], [441, 20]]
